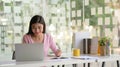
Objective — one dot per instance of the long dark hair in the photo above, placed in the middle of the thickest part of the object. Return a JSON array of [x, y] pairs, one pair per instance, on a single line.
[[36, 19]]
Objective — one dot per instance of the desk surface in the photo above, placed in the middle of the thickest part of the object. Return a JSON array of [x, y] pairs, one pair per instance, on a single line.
[[49, 62], [70, 60]]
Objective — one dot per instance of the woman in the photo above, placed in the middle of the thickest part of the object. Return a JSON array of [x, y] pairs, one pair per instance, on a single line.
[[37, 34]]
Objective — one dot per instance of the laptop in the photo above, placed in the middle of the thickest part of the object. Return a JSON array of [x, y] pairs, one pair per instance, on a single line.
[[29, 52]]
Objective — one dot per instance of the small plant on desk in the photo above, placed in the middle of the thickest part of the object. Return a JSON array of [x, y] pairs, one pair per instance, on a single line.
[[105, 46], [105, 41]]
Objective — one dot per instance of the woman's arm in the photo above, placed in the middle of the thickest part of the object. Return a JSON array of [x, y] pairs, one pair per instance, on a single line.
[[54, 47]]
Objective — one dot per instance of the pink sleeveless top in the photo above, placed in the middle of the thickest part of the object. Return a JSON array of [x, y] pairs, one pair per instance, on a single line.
[[49, 43]]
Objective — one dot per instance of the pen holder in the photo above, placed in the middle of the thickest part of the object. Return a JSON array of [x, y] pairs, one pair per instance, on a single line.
[[76, 52]]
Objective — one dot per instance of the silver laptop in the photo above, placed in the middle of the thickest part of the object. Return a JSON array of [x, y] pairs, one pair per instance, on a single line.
[[29, 52]]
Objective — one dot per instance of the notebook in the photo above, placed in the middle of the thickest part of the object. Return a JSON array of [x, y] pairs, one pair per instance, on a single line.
[[29, 52]]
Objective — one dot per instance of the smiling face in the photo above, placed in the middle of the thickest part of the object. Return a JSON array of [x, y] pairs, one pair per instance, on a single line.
[[37, 24], [37, 28]]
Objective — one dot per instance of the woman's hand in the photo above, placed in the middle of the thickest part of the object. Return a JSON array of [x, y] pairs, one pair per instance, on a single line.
[[58, 53]]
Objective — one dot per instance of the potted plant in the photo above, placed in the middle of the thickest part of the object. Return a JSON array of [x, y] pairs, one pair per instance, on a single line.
[[104, 46]]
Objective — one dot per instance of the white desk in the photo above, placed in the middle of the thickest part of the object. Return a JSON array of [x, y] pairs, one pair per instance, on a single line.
[[104, 59], [52, 62], [87, 59], [48, 62], [112, 58]]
